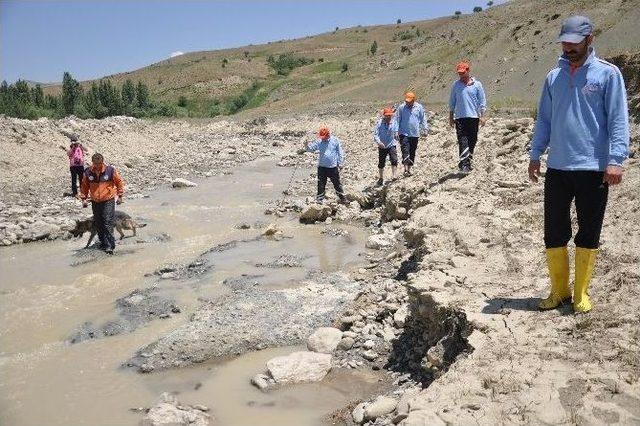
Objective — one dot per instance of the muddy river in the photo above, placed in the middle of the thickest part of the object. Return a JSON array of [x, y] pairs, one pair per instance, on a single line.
[[48, 290]]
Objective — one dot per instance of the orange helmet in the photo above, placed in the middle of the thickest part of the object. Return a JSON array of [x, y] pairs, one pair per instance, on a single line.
[[462, 67], [409, 97], [323, 132], [387, 112]]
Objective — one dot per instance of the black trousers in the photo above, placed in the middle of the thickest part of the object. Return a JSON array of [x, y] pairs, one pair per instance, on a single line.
[[392, 152], [590, 193], [408, 146], [467, 133], [332, 173], [103, 220], [76, 178]]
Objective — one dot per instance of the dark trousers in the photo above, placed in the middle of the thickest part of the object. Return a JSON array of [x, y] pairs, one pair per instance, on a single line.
[[332, 173], [76, 178], [392, 152], [103, 220], [467, 133], [408, 146], [590, 193]]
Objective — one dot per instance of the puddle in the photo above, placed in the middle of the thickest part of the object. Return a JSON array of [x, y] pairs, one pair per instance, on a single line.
[[47, 291]]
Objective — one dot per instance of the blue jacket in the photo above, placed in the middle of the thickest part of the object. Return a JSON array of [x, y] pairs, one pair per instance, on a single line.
[[410, 121], [331, 153], [582, 118], [385, 133], [467, 100]]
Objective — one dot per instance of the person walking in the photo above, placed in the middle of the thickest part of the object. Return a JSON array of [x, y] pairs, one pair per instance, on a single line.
[[467, 108], [76, 153], [384, 136], [330, 162], [411, 122], [104, 186], [584, 122]]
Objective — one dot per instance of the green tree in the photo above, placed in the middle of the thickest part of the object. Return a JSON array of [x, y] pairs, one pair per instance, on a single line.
[[37, 96], [128, 92], [182, 101], [345, 67], [489, 3], [477, 9], [374, 47], [142, 95], [71, 92], [457, 14], [399, 21]]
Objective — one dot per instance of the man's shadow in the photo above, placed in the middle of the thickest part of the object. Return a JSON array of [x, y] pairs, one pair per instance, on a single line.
[[527, 304]]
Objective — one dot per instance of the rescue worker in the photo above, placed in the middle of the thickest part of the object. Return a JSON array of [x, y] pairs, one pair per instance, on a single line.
[[411, 122], [584, 122], [330, 162], [467, 108], [385, 140], [76, 153], [102, 183]]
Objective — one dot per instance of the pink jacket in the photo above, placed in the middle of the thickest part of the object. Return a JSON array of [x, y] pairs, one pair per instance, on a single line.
[[76, 155]]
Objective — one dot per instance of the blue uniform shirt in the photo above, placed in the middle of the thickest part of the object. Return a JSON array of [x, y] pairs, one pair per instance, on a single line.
[[410, 121], [385, 133], [582, 118], [467, 100], [331, 153]]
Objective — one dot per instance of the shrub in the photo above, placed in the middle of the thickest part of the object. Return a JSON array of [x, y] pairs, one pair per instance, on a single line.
[[287, 62], [345, 67], [477, 9], [374, 47]]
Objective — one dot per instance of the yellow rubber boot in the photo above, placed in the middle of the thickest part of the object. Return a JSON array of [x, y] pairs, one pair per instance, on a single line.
[[558, 264], [585, 262]]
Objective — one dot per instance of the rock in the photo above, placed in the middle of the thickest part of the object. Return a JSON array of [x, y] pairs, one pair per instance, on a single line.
[[358, 413], [369, 355], [315, 212], [39, 230], [346, 343], [299, 367], [378, 242], [324, 340], [261, 381], [182, 183], [400, 316], [358, 197], [381, 406], [271, 230], [169, 412]]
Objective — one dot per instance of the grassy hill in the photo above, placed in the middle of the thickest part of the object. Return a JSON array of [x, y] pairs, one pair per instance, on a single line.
[[511, 48]]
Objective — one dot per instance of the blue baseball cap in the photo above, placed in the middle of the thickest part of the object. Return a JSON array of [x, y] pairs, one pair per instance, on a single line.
[[575, 29]]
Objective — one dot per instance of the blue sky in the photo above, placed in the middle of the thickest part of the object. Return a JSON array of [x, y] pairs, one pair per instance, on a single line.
[[40, 39]]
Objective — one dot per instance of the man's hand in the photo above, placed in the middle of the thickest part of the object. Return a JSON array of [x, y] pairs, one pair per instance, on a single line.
[[613, 174], [85, 204], [534, 170], [381, 145], [483, 121]]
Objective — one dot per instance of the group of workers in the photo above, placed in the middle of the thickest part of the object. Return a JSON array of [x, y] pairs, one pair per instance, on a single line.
[[582, 121]]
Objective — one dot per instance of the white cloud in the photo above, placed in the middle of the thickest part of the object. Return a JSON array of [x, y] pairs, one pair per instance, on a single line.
[[174, 54]]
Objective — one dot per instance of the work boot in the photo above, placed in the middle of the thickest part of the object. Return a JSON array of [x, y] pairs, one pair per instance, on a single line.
[[380, 182], [585, 262], [558, 265]]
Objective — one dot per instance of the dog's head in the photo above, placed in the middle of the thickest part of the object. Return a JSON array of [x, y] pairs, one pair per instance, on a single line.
[[82, 226]]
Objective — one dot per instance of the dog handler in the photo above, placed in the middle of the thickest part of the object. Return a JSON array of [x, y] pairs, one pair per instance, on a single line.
[[583, 120], [106, 188]]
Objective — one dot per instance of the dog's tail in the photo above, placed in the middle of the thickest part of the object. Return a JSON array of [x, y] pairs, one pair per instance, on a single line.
[[141, 225]]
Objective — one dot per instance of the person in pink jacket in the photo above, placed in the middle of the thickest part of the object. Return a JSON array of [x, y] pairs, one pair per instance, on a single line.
[[76, 153]]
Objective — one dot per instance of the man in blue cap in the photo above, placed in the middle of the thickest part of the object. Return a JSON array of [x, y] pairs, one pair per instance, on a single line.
[[583, 120]]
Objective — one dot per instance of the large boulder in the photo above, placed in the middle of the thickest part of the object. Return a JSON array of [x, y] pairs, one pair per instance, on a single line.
[[182, 183], [324, 340], [39, 230], [299, 367], [315, 212], [378, 241], [170, 412]]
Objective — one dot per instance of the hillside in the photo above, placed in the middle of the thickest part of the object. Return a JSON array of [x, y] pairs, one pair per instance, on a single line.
[[511, 48]]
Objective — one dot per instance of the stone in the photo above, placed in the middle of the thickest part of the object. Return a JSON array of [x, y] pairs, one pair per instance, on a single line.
[[369, 355], [400, 316], [182, 183], [299, 367], [378, 242], [358, 413], [315, 212], [271, 230], [261, 381], [169, 412], [324, 340], [346, 343], [379, 407], [39, 230]]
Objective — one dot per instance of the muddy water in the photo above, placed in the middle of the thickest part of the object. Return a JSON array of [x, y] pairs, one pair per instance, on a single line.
[[48, 290]]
